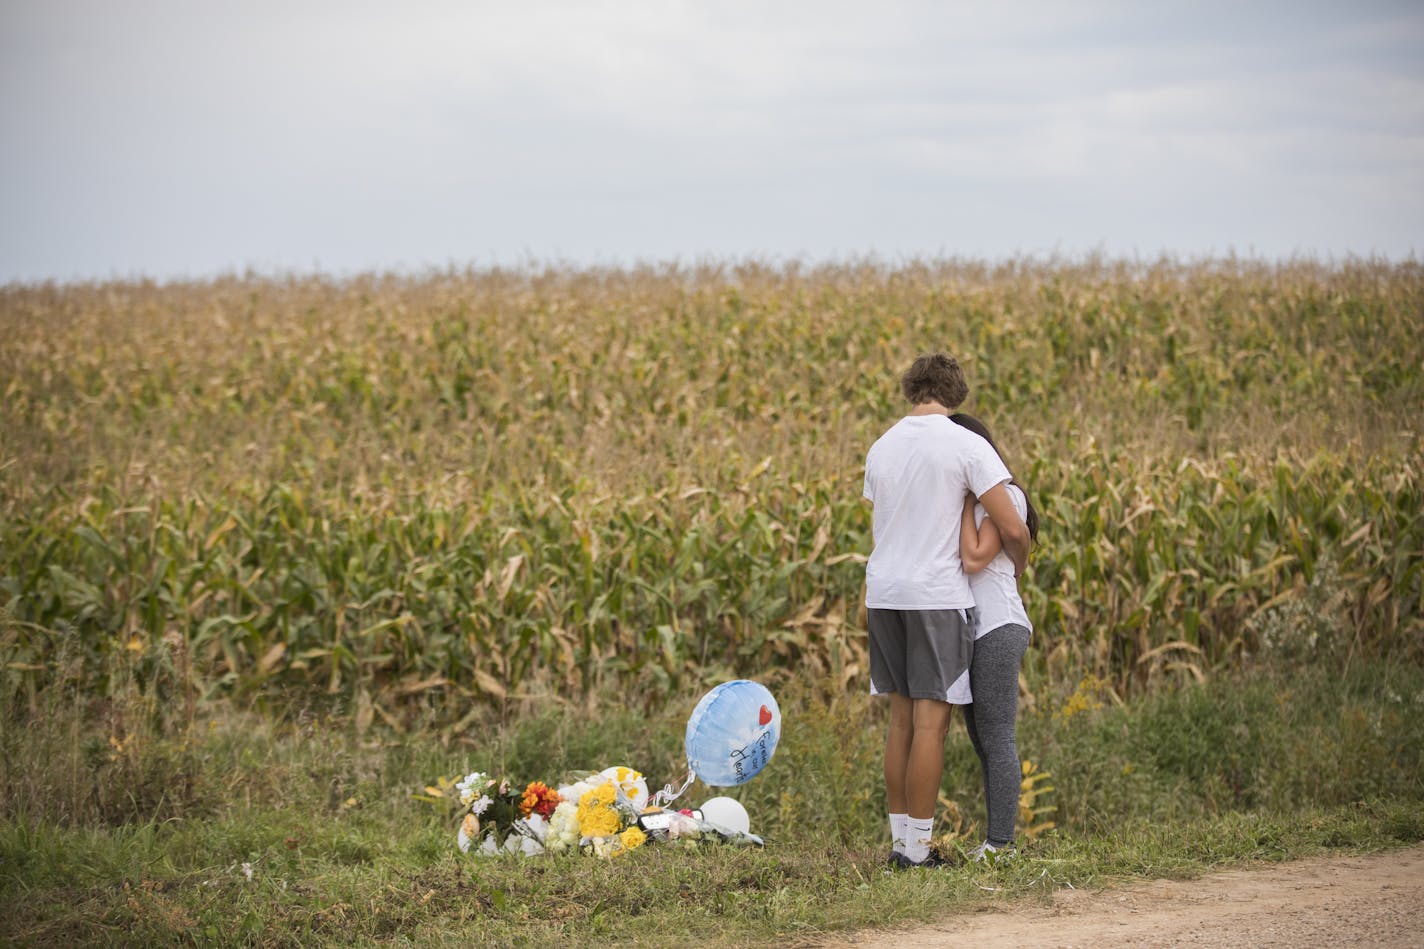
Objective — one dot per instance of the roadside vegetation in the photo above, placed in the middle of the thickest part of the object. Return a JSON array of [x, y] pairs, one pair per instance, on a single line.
[[293, 830], [277, 554]]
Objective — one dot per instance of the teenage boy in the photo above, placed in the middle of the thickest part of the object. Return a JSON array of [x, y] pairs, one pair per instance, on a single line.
[[920, 611]]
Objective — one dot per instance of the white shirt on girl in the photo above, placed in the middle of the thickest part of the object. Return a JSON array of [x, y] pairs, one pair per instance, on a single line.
[[996, 592]]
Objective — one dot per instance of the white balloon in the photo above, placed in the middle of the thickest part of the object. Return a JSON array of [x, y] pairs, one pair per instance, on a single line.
[[727, 813]]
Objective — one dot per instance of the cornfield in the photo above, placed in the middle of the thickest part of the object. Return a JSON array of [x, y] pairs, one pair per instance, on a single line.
[[428, 496]]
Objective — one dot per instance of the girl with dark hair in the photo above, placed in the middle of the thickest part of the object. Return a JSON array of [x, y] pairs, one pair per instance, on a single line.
[[1000, 639]]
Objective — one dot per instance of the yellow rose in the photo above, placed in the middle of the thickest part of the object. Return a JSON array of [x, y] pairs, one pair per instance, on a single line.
[[633, 838], [596, 816]]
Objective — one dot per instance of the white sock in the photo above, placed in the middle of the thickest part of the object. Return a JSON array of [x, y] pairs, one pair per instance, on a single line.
[[897, 831], [917, 838]]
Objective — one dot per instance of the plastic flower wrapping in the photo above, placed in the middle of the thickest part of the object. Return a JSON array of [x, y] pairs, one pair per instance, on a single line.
[[606, 814]]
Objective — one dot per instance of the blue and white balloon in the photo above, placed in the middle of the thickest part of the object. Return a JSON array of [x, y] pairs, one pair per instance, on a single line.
[[732, 733]]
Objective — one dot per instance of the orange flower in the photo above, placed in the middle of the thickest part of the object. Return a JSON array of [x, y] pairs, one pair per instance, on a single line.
[[539, 799]]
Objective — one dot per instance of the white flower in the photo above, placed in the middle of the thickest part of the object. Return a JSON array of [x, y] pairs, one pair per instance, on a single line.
[[572, 792], [563, 832], [480, 806], [607, 846], [472, 786]]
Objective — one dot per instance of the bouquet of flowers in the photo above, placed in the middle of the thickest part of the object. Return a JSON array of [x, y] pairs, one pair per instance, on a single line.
[[501, 815], [605, 814]]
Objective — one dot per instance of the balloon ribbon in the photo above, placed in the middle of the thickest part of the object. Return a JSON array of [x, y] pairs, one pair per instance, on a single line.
[[667, 795]]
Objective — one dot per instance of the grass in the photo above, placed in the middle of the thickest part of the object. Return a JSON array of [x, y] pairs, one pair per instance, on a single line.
[[795, 891], [1282, 763]]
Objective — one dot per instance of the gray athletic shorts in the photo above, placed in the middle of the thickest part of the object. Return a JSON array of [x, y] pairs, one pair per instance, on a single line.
[[924, 654]]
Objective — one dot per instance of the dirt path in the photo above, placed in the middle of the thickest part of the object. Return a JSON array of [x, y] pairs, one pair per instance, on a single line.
[[1374, 900]]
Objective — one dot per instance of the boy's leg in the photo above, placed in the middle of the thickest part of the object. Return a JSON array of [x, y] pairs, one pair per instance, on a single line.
[[887, 629], [897, 751], [924, 652], [926, 764], [922, 776], [897, 757]]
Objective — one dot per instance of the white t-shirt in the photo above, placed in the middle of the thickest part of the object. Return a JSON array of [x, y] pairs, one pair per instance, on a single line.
[[996, 592], [916, 474]]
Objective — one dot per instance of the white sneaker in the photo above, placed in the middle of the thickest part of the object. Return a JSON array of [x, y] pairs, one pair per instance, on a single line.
[[988, 852]]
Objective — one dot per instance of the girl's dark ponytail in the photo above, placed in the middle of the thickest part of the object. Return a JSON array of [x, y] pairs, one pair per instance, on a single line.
[[979, 428]]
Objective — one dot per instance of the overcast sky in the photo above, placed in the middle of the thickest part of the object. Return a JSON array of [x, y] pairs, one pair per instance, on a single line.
[[189, 138]]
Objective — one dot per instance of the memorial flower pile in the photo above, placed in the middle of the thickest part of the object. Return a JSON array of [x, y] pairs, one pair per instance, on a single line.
[[731, 735], [605, 814]]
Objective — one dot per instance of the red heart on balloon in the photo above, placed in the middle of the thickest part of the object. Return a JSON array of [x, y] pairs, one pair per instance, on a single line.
[[765, 715]]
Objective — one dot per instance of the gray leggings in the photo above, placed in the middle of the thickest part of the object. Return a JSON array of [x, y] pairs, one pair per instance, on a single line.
[[994, 679]]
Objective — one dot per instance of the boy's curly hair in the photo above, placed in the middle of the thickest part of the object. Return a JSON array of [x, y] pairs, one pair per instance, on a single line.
[[935, 377]]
